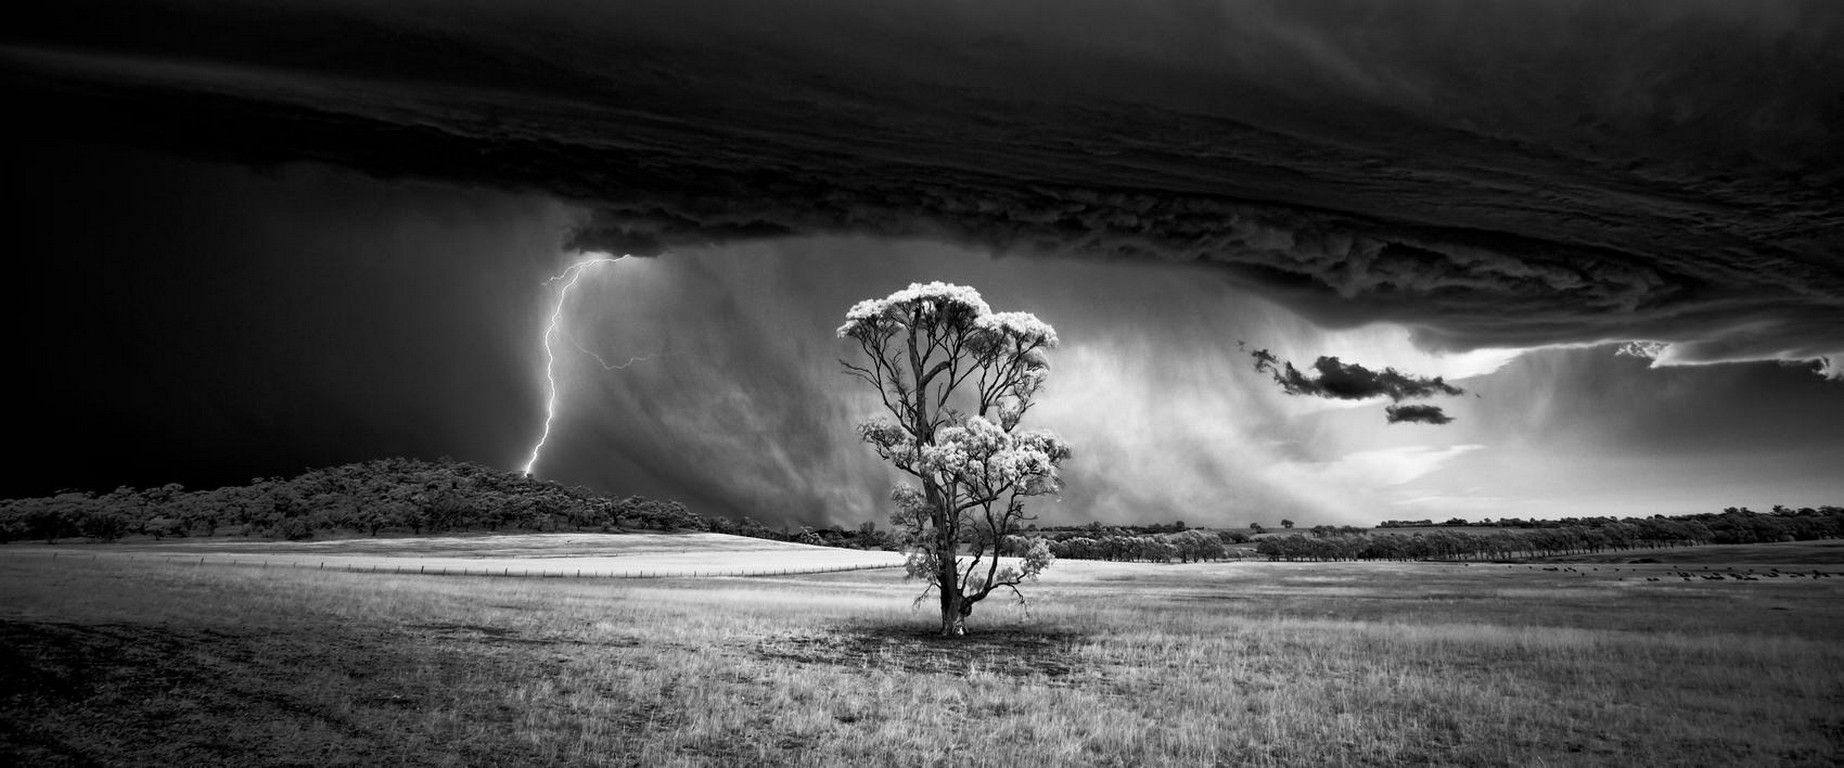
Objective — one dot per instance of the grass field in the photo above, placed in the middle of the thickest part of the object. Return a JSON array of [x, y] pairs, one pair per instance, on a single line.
[[534, 554], [1827, 552], [113, 661]]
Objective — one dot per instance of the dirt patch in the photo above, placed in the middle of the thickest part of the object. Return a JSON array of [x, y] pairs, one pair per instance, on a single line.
[[1013, 653]]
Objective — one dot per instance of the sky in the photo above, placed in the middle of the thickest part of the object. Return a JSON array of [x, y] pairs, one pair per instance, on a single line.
[[253, 239]]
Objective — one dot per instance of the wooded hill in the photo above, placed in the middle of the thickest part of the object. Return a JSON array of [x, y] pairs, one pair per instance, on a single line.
[[395, 496]]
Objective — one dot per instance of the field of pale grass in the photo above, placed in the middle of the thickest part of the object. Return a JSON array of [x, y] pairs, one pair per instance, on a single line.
[[145, 662], [622, 555]]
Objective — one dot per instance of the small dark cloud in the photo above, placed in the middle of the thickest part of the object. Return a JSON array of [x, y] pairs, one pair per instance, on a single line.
[[1426, 414], [1339, 380], [1350, 381]]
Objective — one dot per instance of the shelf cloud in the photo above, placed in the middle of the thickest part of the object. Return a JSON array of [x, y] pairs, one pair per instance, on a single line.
[[1495, 174]]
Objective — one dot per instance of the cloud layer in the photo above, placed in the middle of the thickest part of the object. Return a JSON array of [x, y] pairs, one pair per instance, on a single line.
[[1494, 174]]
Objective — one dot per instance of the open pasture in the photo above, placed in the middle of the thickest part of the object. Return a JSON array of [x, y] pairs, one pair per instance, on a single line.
[[535, 554], [146, 662]]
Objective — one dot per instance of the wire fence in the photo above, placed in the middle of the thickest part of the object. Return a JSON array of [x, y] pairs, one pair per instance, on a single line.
[[664, 572]]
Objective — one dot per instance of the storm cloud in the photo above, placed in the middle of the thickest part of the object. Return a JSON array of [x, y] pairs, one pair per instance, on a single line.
[[1349, 381], [1417, 412], [1498, 174], [1340, 380]]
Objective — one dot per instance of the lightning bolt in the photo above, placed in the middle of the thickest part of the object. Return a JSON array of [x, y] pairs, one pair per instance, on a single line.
[[569, 277]]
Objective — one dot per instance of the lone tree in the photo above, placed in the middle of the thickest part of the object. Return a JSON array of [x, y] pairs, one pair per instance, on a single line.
[[955, 379]]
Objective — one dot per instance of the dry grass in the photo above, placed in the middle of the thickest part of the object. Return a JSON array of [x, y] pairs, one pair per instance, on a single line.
[[625, 555], [1823, 552], [147, 663]]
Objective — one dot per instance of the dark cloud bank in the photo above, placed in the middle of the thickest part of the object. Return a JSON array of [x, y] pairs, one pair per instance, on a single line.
[[1492, 173]]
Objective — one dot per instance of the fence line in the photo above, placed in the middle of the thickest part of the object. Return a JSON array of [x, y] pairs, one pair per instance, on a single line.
[[487, 571]]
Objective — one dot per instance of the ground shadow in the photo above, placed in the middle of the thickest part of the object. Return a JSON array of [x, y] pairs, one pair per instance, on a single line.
[[1008, 651]]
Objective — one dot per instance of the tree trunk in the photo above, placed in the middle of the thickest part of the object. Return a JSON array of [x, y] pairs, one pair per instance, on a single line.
[[953, 619], [947, 565], [954, 609], [954, 613]]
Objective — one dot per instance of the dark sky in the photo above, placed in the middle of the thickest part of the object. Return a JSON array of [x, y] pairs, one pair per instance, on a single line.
[[251, 239]]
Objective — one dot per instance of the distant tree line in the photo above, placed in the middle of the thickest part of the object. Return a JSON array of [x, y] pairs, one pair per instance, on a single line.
[[1507, 539], [1187, 546], [422, 497], [1148, 543], [1731, 526], [369, 498], [1097, 529]]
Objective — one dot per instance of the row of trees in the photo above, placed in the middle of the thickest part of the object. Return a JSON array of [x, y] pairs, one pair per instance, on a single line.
[[1097, 529], [1189, 546], [866, 536], [1632, 534], [1733, 525], [1326, 542]]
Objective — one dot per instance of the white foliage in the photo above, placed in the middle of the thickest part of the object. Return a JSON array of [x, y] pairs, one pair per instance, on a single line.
[[928, 302]]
